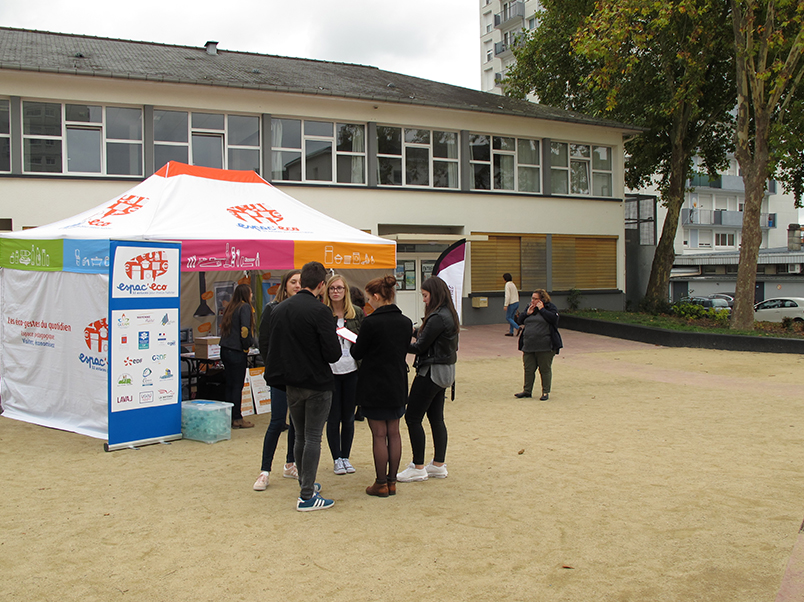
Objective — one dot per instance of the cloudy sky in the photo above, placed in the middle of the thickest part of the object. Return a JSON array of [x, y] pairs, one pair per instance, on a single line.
[[434, 40]]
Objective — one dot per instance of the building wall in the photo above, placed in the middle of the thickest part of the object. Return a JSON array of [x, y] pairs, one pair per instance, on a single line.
[[37, 199]]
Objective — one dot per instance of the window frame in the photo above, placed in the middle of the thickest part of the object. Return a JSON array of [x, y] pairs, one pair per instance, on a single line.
[[518, 163], [407, 147], [209, 131], [335, 152], [66, 126], [563, 174], [5, 136]]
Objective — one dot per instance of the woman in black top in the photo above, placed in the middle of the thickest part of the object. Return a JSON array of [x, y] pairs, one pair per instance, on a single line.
[[539, 342], [382, 379], [237, 336], [436, 349]]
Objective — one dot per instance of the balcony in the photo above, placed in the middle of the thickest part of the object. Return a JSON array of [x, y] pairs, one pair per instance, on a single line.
[[726, 219], [515, 10]]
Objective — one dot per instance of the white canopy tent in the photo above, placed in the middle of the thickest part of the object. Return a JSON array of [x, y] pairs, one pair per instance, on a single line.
[[54, 279]]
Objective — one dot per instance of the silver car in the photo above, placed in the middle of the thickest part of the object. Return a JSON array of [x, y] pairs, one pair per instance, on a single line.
[[774, 310]]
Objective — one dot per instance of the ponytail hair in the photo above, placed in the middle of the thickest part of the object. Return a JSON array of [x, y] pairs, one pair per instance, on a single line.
[[384, 286]]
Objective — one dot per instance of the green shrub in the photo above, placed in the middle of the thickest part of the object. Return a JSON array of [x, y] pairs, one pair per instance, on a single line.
[[574, 299]]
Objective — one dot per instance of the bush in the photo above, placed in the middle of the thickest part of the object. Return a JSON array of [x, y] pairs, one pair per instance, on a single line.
[[574, 299]]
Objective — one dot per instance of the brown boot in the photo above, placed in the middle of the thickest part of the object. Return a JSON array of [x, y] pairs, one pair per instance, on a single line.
[[378, 489], [391, 487]]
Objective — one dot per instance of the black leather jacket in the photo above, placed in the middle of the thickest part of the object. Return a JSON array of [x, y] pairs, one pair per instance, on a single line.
[[437, 341]]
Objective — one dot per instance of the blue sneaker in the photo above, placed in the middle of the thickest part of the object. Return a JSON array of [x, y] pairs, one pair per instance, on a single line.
[[314, 503], [316, 487]]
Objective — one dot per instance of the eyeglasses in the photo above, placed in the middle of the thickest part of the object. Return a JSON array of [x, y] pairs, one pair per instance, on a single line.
[[336, 289]]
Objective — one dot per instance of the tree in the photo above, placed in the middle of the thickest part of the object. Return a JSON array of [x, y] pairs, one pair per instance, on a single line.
[[665, 66], [768, 45]]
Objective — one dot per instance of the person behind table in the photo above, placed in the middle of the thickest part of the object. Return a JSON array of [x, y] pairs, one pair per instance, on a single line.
[[382, 381], [510, 304], [436, 349], [237, 336], [539, 342], [303, 344], [341, 421], [289, 286]]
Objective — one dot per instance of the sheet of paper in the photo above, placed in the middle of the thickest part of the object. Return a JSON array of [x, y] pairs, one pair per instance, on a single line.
[[347, 334]]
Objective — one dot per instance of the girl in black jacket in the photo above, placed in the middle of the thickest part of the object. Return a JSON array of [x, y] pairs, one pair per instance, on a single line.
[[237, 336], [382, 380], [436, 349]]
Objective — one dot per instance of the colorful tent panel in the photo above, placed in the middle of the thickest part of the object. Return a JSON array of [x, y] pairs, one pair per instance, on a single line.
[[225, 220]]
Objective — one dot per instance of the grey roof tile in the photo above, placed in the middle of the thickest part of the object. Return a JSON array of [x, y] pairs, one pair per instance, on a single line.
[[29, 50]]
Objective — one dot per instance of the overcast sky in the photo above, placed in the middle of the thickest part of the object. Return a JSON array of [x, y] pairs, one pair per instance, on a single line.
[[435, 40]]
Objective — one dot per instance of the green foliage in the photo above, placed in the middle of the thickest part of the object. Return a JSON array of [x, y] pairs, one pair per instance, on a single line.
[[574, 299], [691, 311]]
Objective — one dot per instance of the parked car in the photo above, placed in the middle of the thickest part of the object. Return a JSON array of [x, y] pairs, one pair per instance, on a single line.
[[710, 302], [774, 310], [728, 297]]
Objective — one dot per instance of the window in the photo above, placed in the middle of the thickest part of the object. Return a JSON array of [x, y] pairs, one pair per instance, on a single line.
[[505, 163], [207, 139], [581, 169], [417, 157], [81, 139], [5, 137], [724, 239], [318, 151]]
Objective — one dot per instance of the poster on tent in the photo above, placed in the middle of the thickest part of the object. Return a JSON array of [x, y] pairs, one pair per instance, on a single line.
[[144, 370]]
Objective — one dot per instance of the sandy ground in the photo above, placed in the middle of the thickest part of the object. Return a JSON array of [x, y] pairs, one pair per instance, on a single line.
[[651, 474]]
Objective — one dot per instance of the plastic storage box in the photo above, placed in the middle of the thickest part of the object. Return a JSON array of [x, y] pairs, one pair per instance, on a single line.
[[207, 421]]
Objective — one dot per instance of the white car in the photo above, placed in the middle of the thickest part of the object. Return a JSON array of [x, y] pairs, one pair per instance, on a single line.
[[774, 310]]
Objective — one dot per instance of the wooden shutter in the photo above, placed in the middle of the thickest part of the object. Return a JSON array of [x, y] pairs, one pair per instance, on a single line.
[[491, 259], [584, 262]]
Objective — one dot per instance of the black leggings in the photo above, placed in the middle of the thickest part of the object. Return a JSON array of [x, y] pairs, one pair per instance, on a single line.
[[426, 397], [341, 421]]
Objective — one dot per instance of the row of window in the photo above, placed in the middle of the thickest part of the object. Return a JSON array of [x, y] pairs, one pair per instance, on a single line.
[[105, 140]]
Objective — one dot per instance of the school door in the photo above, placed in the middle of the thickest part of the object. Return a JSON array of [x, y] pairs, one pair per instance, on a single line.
[[411, 271]]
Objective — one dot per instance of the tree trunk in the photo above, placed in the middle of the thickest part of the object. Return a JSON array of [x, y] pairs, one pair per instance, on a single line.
[[755, 173], [659, 282]]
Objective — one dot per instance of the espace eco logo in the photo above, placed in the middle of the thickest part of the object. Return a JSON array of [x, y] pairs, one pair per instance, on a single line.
[[123, 206], [143, 270], [257, 216], [96, 337]]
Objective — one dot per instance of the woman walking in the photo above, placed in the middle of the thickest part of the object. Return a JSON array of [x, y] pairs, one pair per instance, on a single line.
[[237, 336], [341, 421], [289, 286], [539, 342], [382, 382], [510, 304], [436, 349]]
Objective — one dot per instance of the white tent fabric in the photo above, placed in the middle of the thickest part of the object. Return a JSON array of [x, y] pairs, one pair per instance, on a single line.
[[55, 278], [54, 338], [225, 219]]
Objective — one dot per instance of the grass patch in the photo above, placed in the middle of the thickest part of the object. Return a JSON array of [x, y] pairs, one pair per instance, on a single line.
[[761, 329]]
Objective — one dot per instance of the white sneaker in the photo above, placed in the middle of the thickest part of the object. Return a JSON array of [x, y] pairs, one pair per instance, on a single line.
[[339, 467], [261, 484], [347, 466], [412, 474], [436, 472]]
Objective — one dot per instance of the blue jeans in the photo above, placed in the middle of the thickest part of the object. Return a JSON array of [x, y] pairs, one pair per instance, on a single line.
[[308, 411], [279, 412], [509, 316]]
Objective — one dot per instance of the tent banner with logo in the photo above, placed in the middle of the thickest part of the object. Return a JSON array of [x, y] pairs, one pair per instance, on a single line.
[[144, 371], [54, 349]]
